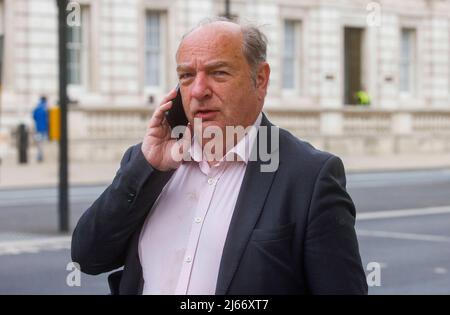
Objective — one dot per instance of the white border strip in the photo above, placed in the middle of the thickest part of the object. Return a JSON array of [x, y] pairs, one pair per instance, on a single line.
[[34, 246], [404, 236], [401, 213]]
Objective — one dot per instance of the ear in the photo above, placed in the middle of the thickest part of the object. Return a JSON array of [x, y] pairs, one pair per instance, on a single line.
[[262, 79]]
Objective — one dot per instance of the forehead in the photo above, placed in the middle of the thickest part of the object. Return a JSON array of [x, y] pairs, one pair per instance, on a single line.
[[211, 42]]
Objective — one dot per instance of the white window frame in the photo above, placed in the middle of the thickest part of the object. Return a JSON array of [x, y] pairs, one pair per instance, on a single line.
[[85, 54], [410, 63], [448, 59], [297, 87], [163, 34], [2, 33]]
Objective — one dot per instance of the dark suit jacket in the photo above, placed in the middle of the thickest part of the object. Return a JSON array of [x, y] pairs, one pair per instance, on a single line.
[[292, 230]]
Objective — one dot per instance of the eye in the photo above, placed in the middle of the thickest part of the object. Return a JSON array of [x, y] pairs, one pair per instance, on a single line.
[[185, 76], [219, 73]]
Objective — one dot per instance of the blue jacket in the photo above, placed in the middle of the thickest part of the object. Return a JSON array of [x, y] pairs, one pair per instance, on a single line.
[[40, 116]]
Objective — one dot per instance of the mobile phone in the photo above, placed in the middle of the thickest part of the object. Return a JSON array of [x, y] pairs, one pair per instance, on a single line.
[[175, 115]]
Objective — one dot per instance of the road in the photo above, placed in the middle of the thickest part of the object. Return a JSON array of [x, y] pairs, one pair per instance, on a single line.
[[403, 226]]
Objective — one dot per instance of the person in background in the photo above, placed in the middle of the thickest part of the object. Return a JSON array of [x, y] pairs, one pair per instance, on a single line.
[[40, 117], [363, 98]]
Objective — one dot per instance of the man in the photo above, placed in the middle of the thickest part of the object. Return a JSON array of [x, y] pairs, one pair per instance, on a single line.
[[40, 117], [222, 225]]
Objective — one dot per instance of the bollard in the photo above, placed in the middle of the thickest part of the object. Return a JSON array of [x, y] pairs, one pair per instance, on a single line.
[[54, 123], [22, 143]]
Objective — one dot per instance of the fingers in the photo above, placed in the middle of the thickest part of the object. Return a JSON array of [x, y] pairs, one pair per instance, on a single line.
[[158, 115], [157, 118], [170, 96]]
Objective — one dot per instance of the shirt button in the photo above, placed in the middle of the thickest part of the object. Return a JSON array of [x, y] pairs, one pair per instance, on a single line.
[[210, 181], [188, 259], [198, 220]]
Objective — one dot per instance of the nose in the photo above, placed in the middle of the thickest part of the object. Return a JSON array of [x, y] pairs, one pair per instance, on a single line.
[[200, 88]]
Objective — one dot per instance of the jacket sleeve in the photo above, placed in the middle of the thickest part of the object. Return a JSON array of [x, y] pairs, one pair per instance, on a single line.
[[101, 237], [332, 260]]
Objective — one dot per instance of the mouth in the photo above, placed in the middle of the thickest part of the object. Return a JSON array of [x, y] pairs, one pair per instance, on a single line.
[[206, 114]]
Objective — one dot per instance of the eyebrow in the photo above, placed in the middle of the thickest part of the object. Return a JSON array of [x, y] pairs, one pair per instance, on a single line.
[[217, 64], [208, 66], [181, 68]]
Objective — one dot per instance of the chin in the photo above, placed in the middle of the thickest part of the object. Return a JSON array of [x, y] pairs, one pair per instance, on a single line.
[[212, 123]]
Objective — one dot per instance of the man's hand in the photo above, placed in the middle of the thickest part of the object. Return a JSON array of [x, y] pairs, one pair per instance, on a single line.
[[160, 150]]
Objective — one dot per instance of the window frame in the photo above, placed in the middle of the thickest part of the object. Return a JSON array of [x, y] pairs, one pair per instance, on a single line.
[[297, 86], [85, 55], [163, 49], [410, 63]]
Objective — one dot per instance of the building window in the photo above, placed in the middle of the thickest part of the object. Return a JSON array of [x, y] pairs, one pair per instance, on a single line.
[[78, 46], [154, 59], [353, 65], [407, 60], [291, 55]]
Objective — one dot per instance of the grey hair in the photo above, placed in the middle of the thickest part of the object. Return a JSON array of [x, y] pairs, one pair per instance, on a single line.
[[254, 46]]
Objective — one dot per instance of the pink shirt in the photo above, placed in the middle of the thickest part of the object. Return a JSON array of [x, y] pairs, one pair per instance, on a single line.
[[181, 243]]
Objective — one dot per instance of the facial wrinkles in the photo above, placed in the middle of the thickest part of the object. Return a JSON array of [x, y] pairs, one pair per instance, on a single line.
[[211, 41], [201, 48], [197, 63]]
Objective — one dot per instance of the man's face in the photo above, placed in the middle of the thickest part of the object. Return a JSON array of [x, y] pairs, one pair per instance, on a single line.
[[215, 78]]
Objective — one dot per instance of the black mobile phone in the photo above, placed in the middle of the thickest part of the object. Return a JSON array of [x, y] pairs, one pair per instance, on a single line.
[[175, 115]]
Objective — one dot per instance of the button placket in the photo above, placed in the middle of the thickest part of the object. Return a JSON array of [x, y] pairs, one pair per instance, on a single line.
[[194, 237], [196, 228]]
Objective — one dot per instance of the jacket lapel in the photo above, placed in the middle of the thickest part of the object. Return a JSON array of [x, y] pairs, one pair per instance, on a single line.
[[252, 195]]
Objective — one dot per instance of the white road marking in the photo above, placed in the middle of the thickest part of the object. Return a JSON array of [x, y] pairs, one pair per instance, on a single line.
[[373, 215], [404, 236], [35, 245], [440, 270]]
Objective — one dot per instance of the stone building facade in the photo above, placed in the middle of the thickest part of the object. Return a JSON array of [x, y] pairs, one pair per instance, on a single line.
[[321, 52]]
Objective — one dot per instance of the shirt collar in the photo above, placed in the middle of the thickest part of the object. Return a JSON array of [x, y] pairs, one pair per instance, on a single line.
[[240, 152]]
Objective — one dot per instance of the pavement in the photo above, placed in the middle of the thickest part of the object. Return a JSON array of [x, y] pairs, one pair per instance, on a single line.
[[400, 162], [34, 174]]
